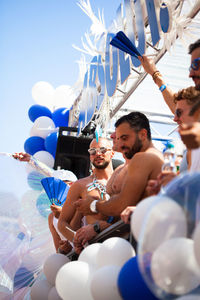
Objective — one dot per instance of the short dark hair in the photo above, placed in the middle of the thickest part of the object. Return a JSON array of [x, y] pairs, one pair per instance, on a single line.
[[194, 46], [137, 121]]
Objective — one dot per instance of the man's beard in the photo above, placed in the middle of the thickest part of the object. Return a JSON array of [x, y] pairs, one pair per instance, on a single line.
[[135, 149], [102, 166], [197, 86]]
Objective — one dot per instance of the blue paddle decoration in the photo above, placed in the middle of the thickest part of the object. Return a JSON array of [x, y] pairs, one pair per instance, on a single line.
[[122, 42], [56, 190]]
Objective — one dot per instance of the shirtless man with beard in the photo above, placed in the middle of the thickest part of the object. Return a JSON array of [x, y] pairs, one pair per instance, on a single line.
[[134, 137], [113, 187], [101, 154]]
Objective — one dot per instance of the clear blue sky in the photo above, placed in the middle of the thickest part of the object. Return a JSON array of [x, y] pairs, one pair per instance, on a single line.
[[36, 38]]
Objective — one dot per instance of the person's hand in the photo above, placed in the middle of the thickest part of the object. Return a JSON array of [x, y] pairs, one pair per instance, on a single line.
[[190, 135], [78, 247], [153, 187], [126, 214], [85, 234], [56, 210], [148, 64], [165, 177], [22, 156], [64, 247], [83, 205]]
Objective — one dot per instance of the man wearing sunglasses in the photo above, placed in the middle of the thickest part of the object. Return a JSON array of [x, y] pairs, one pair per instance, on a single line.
[[134, 138], [69, 222], [184, 100]]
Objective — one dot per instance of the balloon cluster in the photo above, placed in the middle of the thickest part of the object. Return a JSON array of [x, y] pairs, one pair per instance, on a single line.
[[103, 271], [24, 234], [169, 239], [50, 112], [93, 276], [43, 138]]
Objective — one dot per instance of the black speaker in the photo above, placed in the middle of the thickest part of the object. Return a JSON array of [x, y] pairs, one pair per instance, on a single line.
[[72, 153]]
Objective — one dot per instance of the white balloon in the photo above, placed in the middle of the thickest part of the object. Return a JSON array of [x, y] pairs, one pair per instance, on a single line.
[[104, 283], [114, 251], [165, 220], [43, 93], [174, 267], [45, 157], [197, 243], [42, 127], [64, 96], [53, 294], [139, 215], [73, 281], [52, 264], [89, 254], [40, 290]]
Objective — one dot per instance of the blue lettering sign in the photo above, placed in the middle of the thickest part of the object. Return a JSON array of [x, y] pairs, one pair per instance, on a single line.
[[111, 66], [165, 18], [153, 21], [101, 77]]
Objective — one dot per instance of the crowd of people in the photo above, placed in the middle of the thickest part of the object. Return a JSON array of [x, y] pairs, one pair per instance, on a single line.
[[95, 202]]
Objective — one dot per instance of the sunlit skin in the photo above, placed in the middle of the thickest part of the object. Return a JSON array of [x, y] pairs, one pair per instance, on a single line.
[[195, 74], [128, 140], [79, 191], [145, 164], [99, 160], [168, 94], [184, 108], [115, 146]]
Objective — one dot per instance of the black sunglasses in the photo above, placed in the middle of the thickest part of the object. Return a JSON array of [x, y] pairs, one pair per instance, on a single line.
[[178, 113]]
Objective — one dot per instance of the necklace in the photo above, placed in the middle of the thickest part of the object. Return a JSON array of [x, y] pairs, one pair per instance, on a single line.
[[95, 184]]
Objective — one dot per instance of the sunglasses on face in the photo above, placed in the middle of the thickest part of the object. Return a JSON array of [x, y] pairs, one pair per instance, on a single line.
[[195, 64], [178, 113], [101, 150]]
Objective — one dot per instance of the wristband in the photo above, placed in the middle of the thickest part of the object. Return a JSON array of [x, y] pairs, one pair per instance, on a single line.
[[162, 87], [93, 206]]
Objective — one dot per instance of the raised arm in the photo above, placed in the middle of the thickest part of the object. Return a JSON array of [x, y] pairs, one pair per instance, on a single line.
[[150, 67], [36, 164]]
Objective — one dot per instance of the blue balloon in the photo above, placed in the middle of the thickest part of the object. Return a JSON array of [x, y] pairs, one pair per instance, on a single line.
[[36, 111], [34, 180], [34, 144], [61, 117], [43, 205], [131, 283], [51, 143]]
